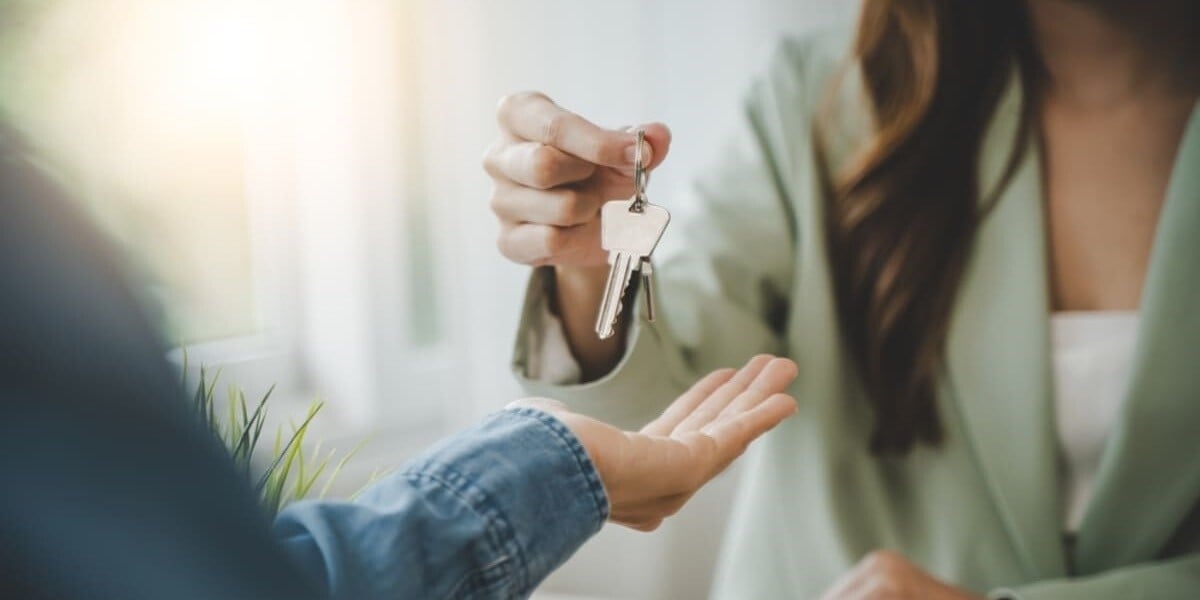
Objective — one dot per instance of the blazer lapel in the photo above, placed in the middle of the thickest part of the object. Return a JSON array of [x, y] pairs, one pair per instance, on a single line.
[[998, 352], [1150, 474]]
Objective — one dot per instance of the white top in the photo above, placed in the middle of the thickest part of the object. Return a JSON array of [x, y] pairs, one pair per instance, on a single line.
[[1093, 352], [1092, 355], [549, 352]]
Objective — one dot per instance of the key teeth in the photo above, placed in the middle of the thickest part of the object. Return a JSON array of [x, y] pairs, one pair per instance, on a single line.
[[610, 329], [617, 314], [615, 290]]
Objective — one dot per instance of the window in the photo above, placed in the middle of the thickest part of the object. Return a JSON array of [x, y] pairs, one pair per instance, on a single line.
[[149, 133], [258, 161]]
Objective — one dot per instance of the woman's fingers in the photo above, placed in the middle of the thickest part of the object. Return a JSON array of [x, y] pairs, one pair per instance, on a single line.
[[685, 404], [561, 207], [658, 144], [658, 137], [716, 401], [534, 244], [610, 184], [535, 165], [534, 117], [553, 170]]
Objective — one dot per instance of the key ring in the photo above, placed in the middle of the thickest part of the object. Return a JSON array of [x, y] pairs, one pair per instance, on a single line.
[[639, 175]]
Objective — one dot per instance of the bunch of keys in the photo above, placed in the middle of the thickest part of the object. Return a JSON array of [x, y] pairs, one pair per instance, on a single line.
[[629, 231]]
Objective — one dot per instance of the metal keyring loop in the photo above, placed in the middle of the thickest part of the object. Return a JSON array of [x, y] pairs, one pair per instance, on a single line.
[[639, 174]]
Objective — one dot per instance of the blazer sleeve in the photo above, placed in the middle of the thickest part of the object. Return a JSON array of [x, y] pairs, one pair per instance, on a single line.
[[723, 271], [1176, 578]]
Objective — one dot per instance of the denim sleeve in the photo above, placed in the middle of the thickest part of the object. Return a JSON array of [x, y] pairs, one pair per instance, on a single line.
[[488, 513]]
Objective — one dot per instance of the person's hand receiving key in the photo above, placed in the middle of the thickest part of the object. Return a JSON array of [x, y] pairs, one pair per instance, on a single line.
[[650, 474], [552, 170]]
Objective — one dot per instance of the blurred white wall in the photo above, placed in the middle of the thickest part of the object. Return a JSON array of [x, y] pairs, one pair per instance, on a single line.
[[617, 62]]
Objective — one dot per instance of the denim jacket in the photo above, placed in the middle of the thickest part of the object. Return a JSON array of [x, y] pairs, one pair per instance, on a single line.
[[485, 514]]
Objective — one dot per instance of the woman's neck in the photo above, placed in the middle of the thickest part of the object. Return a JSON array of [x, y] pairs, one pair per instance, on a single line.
[[1102, 53]]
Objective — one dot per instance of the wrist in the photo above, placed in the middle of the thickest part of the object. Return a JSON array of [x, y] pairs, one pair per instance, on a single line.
[[574, 276], [571, 283]]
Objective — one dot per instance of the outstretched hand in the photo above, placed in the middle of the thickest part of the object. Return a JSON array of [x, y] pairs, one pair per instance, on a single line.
[[650, 474]]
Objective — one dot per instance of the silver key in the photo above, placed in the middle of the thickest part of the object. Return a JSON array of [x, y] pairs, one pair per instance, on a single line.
[[630, 238], [648, 285], [629, 231]]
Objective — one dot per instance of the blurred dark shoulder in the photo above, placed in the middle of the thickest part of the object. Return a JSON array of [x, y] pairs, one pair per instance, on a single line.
[[68, 316], [113, 489]]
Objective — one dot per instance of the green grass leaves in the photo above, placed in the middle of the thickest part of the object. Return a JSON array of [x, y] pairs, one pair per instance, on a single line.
[[290, 474]]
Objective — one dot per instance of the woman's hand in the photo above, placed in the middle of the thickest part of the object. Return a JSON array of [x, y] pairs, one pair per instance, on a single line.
[[551, 171], [886, 575], [650, 474]]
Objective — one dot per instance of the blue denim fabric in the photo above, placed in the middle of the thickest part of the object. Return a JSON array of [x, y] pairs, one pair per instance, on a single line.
[[488, 513]]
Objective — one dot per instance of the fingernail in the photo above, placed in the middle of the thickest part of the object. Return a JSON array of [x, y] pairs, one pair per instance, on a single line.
[[631, 154]]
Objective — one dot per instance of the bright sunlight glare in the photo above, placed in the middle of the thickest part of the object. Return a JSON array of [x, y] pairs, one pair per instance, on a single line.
[[140, 75], [152, 109], [220, 58]]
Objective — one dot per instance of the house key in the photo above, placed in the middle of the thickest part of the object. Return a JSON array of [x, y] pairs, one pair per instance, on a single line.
[[629, 231]]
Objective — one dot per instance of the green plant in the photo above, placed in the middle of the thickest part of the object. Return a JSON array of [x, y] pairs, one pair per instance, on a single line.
[[289, 474]]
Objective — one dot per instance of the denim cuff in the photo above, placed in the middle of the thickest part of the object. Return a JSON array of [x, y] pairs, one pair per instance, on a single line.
[[527, 475]]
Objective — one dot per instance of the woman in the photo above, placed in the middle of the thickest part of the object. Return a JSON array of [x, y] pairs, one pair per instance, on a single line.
[[935, 216]]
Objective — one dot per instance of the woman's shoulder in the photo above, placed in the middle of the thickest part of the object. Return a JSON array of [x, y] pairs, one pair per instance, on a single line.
[[803, 67], [811, 78]]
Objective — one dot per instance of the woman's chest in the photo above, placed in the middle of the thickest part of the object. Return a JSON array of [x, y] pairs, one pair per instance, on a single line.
[[1105, 176]]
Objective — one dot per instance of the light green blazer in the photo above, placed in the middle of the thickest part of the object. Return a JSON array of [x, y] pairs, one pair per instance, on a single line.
[[744, 270]]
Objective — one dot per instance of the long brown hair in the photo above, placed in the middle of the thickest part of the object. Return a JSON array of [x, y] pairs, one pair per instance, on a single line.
[[902, 215]]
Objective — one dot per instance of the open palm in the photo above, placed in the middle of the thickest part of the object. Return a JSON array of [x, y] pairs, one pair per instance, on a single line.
[[650, 474]]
